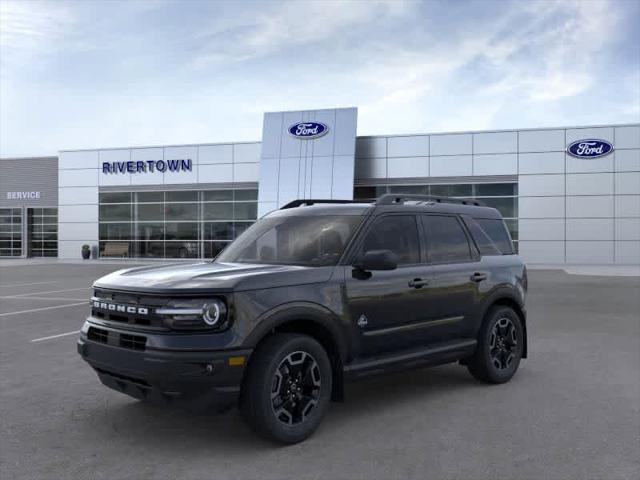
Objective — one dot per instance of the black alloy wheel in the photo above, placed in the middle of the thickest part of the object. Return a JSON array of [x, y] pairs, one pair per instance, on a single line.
[[296, 387], [503, 344]]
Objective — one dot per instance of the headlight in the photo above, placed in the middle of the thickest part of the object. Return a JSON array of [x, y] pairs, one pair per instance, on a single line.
[[194, 314]]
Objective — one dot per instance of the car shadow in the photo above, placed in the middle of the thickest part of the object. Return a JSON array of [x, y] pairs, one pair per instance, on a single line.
[[161, 426]]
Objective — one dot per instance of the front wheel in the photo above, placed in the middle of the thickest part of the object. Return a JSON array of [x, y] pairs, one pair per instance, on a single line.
[[499, 347], [287, 388]]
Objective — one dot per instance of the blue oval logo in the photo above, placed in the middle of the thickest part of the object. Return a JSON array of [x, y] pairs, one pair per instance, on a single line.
[[308, 130], [589, 148]]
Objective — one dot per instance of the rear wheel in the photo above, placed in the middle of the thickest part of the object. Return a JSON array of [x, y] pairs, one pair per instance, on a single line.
[[288, 387], [499, 349]]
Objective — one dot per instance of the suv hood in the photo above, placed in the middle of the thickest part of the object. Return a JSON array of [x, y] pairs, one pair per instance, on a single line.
[[205, 276]]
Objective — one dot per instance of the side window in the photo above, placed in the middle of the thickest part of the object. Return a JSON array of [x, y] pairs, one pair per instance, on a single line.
[[497, 232], [446, 240], [397, 233], [484, 243]]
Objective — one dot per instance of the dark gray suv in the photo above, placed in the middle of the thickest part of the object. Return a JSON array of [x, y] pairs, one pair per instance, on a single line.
[[313, 295]]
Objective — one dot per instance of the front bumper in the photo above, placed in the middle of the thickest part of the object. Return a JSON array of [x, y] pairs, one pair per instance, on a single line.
[[195, 379]]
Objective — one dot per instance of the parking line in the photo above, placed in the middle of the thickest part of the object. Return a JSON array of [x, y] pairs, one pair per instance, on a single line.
[[26, 284], [55, 336], [13, 297], [52, 291], [43, 308]]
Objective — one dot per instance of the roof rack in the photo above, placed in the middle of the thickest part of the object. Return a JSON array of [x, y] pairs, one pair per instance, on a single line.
[[300, 202], [398, 199]]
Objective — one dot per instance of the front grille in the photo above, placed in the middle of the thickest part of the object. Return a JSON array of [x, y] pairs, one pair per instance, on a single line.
[[134, 342], [147, 320], [124, 340], [98, 335]]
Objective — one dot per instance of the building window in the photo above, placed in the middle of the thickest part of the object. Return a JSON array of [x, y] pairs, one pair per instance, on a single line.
[[10, 232], [42, 225], [182, 224], [502, 196]]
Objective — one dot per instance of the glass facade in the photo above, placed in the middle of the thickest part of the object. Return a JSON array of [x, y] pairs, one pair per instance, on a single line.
[[503, 196], [174, 224], [42, 228], [10, 232]]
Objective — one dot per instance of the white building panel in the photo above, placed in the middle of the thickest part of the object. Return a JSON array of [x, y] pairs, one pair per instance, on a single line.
[[495, 142], [541, 207], [403, 167], [291, 146], [589, 252], [627, 160], [268, 179], [628, 183], [590, 206], [541, 185], [541, 229], [589, 229], [587, 165], [409, 146], [266, 207], [122, 155], [215, 154], [451, 166], [146, 178], [78, 159], [601, 133], [323, 146], [77, 195], [179, 176], [627, 228], [371, 168], [321, 177], [78, 178], [452, 144], [246, 153], [541, 141], [271, 135], [628, 137], [541, 252], [246, 172], [78, 231], [76, 213], [371, 147], [215, 173], [545, 162], [346, 120], [342, 168], [590, 184], [627, 205], [628, 253], [500, 164]]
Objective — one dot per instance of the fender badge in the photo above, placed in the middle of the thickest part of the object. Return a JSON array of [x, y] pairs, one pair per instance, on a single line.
[[362, 321]]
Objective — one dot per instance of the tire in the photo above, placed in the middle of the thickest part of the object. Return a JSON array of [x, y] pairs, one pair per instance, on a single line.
[[499, 349], [298, 370]]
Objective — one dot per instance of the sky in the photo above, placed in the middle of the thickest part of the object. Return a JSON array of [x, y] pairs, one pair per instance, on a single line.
[[85, 74]]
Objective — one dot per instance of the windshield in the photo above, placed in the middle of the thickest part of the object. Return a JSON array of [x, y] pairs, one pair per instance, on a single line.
[[316, 240]]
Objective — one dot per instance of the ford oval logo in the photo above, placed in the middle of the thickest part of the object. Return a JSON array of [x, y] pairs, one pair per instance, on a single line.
[[590, 148], [308, 130]]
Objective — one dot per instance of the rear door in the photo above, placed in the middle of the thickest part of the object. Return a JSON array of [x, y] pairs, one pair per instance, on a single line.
[[453, 274]]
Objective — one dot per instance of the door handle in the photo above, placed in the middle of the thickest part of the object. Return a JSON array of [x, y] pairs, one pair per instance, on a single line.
[[478, 277], [418, 283]]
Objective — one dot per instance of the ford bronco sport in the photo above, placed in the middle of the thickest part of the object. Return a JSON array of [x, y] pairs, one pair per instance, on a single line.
[[315, 294]]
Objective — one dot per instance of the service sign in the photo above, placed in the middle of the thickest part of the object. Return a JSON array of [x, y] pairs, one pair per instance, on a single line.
[[589, 148], [308, 130]]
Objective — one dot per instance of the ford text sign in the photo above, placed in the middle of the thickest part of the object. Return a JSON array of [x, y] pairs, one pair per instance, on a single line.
[[308, 130], [590, 148]]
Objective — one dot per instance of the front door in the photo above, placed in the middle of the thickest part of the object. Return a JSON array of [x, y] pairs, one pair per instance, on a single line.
[[384, 304]]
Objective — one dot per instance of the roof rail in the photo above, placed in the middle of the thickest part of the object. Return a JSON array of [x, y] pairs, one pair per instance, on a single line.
[[400, 198], [300, 202]]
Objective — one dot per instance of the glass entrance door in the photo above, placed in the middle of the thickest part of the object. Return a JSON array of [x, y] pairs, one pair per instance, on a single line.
[[42, 232]]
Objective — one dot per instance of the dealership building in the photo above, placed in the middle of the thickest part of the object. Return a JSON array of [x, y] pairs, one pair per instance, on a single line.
[[569, 195]]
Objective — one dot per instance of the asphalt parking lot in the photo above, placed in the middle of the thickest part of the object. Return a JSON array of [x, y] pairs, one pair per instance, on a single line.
[[572, 411]]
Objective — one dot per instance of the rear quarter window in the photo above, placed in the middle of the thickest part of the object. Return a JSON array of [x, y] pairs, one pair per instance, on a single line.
[[494, 230]]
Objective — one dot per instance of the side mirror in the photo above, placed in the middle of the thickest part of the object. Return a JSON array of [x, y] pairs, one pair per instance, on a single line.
[[377, 260]]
